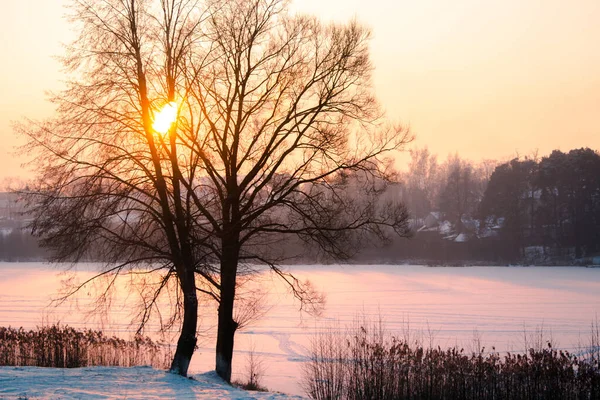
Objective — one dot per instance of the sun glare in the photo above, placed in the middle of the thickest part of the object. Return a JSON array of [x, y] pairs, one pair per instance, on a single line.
[[165, 118]]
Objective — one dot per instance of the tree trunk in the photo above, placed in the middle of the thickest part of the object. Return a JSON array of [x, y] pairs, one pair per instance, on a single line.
[[226, 325], [225, 336], [187, 339]]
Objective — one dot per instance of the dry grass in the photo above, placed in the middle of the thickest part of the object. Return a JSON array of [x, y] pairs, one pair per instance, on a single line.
[[366, 363], [65, 347]]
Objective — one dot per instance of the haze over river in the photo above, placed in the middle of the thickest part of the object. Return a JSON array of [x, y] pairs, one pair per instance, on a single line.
[[445, 306]]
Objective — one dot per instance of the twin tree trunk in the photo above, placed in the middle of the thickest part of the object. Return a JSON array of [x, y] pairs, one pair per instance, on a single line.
[[226, 324], [187, 339]]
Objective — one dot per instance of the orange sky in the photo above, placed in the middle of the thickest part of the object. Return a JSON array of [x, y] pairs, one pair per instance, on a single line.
[[486, 79]]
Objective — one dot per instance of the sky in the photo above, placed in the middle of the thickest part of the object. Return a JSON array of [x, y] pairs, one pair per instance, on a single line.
[[487, 79]]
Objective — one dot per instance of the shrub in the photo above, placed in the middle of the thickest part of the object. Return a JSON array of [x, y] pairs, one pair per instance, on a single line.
[[255, 370]]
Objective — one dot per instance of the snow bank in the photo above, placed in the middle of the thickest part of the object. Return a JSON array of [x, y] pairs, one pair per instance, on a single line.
[[116, 382]]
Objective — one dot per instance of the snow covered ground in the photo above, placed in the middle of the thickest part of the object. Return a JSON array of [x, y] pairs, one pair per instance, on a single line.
[[117, 383], [492, 306]]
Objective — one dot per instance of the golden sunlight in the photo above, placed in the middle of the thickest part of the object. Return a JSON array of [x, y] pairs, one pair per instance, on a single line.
[[165, 118]]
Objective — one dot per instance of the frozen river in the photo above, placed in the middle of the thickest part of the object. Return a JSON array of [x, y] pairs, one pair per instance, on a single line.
[[447, 305]]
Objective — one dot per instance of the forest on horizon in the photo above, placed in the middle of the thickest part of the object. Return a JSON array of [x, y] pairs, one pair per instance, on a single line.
[[539, 210]]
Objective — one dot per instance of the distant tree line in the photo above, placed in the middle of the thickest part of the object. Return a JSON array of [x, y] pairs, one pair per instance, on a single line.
[[553, 203], [541, 210], [19, 245], [529, 209]]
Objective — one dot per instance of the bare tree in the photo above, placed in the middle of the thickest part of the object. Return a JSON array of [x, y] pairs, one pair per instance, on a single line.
[[272, 111], [421, 181], [110, 186], [461, 191]]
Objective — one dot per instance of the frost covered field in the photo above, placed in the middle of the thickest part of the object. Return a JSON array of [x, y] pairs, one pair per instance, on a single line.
[[444, 306]]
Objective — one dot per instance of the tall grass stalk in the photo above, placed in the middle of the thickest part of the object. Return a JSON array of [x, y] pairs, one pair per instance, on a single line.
[[367, 362], [66, 347]]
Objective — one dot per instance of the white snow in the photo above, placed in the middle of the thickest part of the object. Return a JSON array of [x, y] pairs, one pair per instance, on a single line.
[[449, 305], [436, 214], [114, 382], [445, 228], [462, 237]]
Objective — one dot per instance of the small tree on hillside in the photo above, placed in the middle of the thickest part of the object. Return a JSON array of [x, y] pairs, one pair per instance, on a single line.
[[459, 194], [270, 111], [421, 182]]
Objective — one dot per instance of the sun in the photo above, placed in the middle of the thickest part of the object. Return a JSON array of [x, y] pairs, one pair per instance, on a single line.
[[165, 118]]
